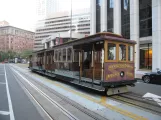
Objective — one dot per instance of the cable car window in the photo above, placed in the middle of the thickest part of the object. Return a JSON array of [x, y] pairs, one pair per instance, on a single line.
[[47, 59], [51, 58], [111, 51], [130, 53], [69, 53], [97, 56], [56, 55], [59, 56], [64, 54], [42, 60], [122, 52], [76, 55]]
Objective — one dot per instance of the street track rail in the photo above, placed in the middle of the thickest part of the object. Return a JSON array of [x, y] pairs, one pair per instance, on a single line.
[[137, 100], [49, 116], [64, 111], [95, 116]]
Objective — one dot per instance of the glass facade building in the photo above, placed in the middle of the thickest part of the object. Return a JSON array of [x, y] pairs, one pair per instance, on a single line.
[[145, 17], [110, 6], [146, 56], [98, 15], [132, 19], [125, 18]]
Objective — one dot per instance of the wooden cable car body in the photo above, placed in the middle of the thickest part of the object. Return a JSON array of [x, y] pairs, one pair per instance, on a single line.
[[103, 62]]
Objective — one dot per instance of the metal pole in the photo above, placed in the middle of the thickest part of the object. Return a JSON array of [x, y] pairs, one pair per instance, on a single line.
[[71, 22]]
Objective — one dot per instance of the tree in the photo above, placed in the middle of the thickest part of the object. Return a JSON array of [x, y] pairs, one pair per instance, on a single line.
[[3, 56], [26, 53], [11, 54]]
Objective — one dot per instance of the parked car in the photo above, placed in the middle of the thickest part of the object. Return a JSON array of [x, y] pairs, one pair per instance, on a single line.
[[152, 77]]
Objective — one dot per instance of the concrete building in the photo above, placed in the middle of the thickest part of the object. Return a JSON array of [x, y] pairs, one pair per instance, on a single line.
[[15, 39], [138, 20], [60, 23]]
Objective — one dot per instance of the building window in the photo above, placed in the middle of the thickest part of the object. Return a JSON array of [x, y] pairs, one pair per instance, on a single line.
[[98, 15], [111, 3], [146, 56], [145, 17], [125, 18], [110, 15]]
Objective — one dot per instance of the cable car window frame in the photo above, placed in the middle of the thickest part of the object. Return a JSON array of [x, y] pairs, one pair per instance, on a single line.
[[74, 55], [71, 57], [47, 60], [64, 60], [131, 45], [126, 46], [56, 55], [106, 51], [59, 55]]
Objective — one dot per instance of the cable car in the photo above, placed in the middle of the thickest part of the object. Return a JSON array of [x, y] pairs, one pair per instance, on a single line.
[[103, 62]]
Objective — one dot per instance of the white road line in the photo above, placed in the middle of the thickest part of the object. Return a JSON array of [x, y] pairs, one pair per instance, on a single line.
[[9, 97], [63, 110], [4, 113], [2, 83], [38, 104], [34, 99]]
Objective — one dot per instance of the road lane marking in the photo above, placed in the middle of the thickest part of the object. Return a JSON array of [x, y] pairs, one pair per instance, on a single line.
[[4, 113], [63, 110], [35, 100], [9, 97], [103, 99], [154, 97]]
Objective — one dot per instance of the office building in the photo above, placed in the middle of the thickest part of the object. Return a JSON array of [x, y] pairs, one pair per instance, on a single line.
[[61, 23], [138, 20]]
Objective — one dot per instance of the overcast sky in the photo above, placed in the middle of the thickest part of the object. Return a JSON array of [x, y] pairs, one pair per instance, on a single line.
[[22, 13]]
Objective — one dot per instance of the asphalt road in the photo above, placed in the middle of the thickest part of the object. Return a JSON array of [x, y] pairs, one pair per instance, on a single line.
[[14, 103], [143, 88]]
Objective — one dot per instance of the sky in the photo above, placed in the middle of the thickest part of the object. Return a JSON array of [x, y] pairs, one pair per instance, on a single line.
[[22, 13], [19, 13]]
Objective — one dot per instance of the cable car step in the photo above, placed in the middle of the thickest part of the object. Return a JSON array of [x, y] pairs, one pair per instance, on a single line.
[[88, 85], [88, 80]]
